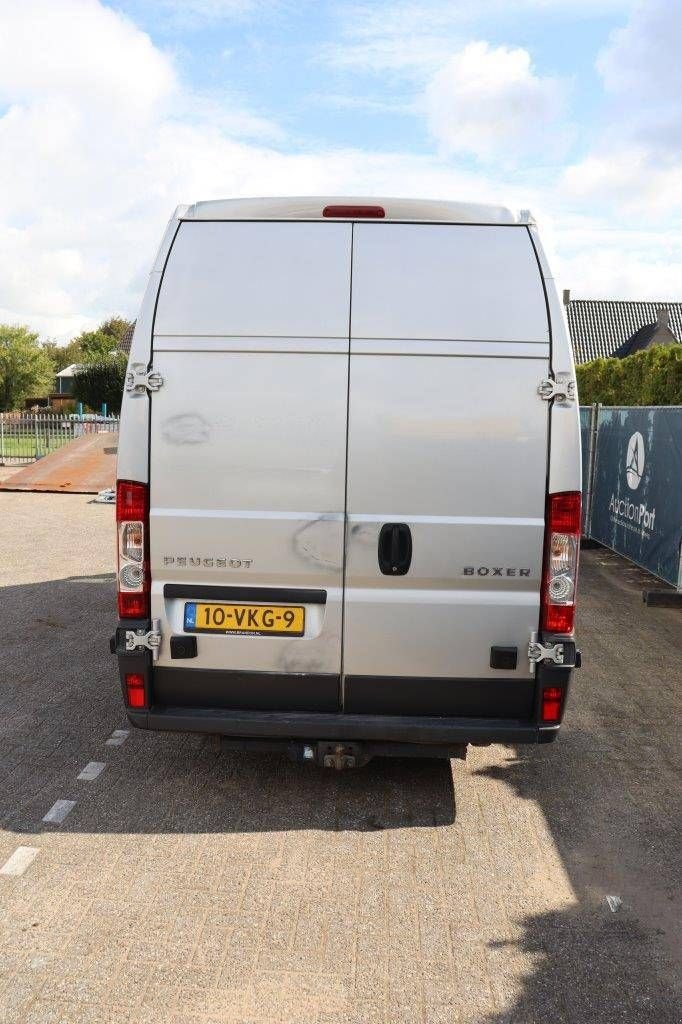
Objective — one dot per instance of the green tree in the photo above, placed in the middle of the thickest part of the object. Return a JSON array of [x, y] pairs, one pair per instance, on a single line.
[[101, 382], [97, 345], [62, 356], [25, 368]]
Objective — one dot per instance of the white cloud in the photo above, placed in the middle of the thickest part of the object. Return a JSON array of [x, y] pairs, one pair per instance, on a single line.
[[417, 36], [629, 181], [100, 139], [62, 48], [95, 152], [490, 102], [635, 168], [642, 73]]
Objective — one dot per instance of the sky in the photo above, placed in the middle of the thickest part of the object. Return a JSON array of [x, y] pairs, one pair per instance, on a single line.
[[112, 114]]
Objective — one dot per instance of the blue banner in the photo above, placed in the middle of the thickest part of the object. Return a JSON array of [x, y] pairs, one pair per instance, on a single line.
[[636, 500]]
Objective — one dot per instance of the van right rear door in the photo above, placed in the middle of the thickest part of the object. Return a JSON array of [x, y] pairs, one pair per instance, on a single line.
[[447, 466]]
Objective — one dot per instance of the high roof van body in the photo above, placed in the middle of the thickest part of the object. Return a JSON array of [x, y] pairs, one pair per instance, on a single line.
[[349, 478]]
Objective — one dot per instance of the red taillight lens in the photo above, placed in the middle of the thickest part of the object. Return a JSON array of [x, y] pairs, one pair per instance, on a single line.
[[131, 500], [552, 698], [373, 212], [560, 572], [132, 518], [135, 695]]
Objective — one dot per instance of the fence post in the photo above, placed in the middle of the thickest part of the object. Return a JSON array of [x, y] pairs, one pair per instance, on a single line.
[[35, 429], [594, 426], [2, 439]]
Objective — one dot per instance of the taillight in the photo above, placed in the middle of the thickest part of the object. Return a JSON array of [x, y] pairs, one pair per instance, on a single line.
[[357, 210], [132, 518], [560, 573], [135, 695], [552, 698]]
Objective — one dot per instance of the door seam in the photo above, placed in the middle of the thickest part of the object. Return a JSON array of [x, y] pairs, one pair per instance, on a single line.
[[342, 677]]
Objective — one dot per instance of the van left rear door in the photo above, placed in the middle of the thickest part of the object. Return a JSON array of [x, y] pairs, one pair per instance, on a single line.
[[247, 471]]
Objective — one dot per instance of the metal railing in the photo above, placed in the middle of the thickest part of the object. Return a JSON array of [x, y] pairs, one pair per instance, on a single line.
[[26, 437]]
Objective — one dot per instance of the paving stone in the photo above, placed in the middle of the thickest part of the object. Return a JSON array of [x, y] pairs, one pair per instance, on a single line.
[[186, 886]]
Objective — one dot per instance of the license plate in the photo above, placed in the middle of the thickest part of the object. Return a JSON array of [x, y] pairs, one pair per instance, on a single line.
[[245, 619]]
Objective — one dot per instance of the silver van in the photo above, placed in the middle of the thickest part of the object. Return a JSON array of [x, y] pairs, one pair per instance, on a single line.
[[348, 501]]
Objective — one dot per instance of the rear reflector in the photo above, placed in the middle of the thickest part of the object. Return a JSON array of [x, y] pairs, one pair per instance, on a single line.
[[552, 697], [135, 695], [132, 518], [560, 572], [133, 606], [376, 212]]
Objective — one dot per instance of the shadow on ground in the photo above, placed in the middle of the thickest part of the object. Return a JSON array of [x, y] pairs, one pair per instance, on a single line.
[[609, 789], [610, 792], [62, 700]]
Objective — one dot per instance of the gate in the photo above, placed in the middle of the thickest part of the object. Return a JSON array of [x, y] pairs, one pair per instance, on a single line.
[[26, 437]]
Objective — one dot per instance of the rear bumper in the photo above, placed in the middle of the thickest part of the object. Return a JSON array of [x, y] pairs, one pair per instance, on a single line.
[[424, 730]]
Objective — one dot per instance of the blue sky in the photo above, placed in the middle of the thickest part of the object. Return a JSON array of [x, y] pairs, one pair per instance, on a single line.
[[113, 113]]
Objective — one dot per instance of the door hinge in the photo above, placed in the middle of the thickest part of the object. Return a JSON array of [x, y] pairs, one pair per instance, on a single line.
[[139, 379], [144, 640], [537, 651], [561, 388]]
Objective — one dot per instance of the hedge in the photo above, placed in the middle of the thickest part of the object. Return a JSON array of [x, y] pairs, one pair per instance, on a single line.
[[101, 382], [650, 377]]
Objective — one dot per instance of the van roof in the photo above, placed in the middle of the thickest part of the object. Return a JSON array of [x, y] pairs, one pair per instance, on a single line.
[[311, 207]]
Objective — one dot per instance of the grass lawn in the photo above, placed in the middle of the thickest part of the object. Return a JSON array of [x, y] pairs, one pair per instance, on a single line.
[[24, 446]]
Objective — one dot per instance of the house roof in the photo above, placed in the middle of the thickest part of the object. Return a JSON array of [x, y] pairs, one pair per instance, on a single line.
[[126, 340], [600, 326], [69, 371]]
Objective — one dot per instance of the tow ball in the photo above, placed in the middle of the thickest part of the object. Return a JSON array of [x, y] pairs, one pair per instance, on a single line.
[[329, 754]]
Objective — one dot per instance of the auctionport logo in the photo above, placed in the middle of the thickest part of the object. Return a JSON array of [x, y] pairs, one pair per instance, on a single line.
[[634, 461], [637, 517]]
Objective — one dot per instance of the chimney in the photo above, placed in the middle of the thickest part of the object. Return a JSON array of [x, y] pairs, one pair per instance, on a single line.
[[663, 317], [567, 296]]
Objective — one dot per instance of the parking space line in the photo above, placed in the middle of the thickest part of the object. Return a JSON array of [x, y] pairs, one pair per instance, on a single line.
[[21, 859], [118, 737], [92, 771], [58, 811]]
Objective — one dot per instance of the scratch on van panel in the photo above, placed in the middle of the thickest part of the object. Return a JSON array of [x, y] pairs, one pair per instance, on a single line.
[[187, 428], [318, 543]]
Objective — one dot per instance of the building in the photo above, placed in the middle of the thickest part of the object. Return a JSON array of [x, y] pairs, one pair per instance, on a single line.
[[608, 327], [63, 381]]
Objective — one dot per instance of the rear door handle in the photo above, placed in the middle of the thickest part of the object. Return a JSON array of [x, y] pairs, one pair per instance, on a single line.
[[395, 549]]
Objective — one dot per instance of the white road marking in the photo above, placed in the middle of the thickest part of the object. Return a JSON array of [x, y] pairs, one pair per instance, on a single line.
[[118, 737], [615, 903], [92, 770], [21, 859], [58, 811]]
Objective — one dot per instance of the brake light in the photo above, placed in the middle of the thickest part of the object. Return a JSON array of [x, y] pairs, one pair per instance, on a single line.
[[560, 572], [135, 695], [552, 698], [373, 212], [132, 519]]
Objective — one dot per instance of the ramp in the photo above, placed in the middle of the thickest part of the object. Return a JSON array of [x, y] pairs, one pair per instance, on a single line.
[[86, 465]]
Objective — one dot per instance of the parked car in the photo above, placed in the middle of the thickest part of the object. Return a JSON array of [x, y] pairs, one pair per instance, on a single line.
[[349, 481]]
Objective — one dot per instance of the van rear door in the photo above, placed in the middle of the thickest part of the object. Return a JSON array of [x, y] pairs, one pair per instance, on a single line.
[[447, 467], [247, 464]]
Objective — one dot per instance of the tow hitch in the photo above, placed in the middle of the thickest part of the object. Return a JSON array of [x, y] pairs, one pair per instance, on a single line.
[[330, 754]]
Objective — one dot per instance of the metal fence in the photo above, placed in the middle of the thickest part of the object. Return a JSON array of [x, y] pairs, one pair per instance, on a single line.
[[632, 484], [26, 437]]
